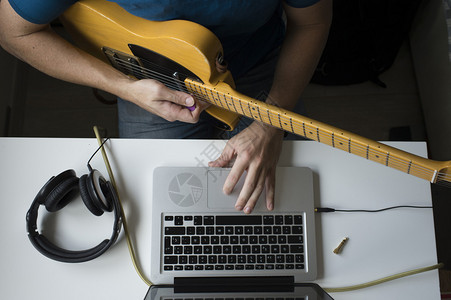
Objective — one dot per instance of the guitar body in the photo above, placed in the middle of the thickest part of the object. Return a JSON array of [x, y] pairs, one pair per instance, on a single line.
[[183, 56], [94, 25]]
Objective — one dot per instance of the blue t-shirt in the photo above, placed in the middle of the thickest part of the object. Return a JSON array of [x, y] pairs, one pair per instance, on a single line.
[[248, 30]]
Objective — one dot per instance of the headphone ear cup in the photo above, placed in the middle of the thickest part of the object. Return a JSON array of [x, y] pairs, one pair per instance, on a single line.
[[63, 192], [87, 196]]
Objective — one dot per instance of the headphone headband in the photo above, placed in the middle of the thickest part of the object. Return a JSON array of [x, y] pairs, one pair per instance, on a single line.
[[56, 194]]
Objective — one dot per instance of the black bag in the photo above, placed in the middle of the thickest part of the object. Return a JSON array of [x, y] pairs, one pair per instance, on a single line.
[[364, 39]]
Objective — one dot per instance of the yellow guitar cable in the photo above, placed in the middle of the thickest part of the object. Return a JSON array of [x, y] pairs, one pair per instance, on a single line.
[[131, 248], [382, 280]]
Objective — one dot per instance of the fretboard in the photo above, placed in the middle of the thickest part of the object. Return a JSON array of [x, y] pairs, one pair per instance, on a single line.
[[225, 97]]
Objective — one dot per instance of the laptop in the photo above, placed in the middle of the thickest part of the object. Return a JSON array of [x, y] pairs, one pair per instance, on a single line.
[[310, 291], [198, 234]]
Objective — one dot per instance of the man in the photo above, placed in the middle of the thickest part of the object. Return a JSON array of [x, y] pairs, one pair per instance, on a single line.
[[261, 56]]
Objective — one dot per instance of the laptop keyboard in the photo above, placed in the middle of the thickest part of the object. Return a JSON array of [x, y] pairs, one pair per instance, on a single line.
[[233, 242]]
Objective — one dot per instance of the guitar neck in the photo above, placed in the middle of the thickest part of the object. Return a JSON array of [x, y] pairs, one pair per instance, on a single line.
[[224, 96]]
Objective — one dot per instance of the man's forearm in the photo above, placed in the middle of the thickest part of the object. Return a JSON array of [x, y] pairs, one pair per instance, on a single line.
[[299, 56]]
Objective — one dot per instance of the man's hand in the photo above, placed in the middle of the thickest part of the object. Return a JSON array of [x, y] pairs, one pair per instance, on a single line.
[[167, 103], [255, 150]]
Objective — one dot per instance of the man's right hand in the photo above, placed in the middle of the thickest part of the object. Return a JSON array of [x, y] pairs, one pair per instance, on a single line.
[[169, 104]]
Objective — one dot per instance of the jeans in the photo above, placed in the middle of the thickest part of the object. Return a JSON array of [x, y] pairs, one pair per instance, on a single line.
[[135, 122]]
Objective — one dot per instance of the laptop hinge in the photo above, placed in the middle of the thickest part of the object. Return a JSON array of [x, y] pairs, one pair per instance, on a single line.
[[235, 284]]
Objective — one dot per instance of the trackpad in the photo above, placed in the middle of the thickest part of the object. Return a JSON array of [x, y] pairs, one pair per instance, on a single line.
[[216, 197]]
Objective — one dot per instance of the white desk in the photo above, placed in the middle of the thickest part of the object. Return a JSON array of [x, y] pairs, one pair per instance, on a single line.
[[380, 244]]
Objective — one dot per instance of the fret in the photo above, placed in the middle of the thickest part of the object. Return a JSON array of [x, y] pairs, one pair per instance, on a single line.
[[215, 101], [398, 163], [333, 139], [189, 87], [223, 101], [325, 137], [359, 149], [274, 119], [255, 116], [303, 128], [280, 121], [193, 89], [291, 124], [341, 143], [233, 103], [310, 132], [269, 117], [241, 106], [296, 126], [200, 90], [283, 121], [259, 114], [377, 155], [349, 145]]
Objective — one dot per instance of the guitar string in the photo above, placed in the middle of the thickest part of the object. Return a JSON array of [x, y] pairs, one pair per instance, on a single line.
[[172, 83], [393, 160], [168, 80]]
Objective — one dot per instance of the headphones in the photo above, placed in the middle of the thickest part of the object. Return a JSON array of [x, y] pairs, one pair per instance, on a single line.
[[98, 196]]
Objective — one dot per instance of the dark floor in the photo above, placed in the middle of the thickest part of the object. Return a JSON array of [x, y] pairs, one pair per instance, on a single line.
[[52, 108]]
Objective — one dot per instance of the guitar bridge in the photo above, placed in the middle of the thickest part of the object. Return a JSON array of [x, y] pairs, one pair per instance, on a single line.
[[126, 63]]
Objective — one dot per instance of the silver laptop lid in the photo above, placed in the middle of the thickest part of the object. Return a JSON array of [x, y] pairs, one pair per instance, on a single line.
[[184, 195], [309, 291]]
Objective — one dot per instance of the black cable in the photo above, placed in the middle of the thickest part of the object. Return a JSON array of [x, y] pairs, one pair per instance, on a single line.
[[92, 156], [328, 209]]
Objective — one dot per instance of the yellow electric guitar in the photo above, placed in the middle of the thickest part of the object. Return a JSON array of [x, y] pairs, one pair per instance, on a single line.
[[183, 56]]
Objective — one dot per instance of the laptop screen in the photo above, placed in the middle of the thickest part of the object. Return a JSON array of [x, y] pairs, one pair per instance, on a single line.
[[310, 291]]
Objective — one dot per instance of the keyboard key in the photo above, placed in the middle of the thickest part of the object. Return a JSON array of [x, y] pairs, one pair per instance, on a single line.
[[198, 220], [296, 248], [170, 260], [183, 259], [209, 220], [239, 220], [178, 220], [297, 219], [288, 220], [248, 230], [296, 230], [174, 230], [219, 230], [295, 239], [200, 230], [268, 220], [192, 259], [278, 220], [229, 230]]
